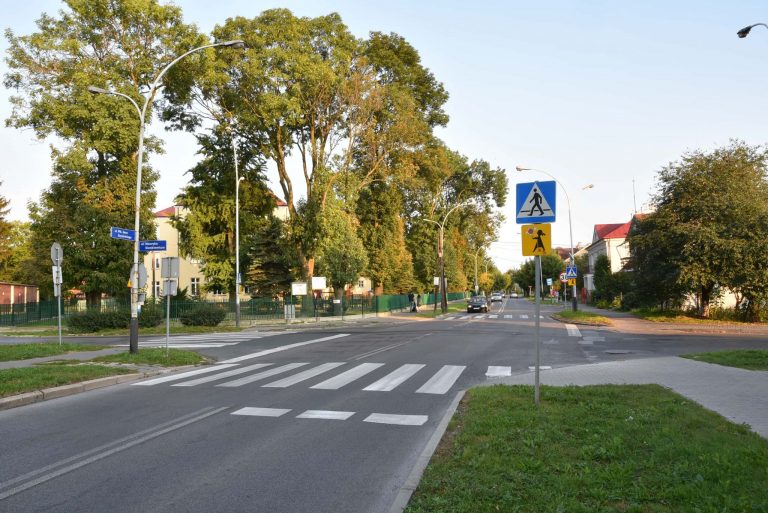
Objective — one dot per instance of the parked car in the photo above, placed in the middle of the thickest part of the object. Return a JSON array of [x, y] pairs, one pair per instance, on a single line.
[[477, 304], [513, 295], [496, 296]]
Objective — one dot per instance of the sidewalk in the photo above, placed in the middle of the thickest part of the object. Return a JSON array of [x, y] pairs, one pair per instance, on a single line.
[[79, 355], [739, 395]]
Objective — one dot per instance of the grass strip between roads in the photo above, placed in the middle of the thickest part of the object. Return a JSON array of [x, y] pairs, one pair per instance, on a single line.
[[154, 356], [429, 312], [607, 448], [750, 359], [14, 352], [582, 316], [29, 379]]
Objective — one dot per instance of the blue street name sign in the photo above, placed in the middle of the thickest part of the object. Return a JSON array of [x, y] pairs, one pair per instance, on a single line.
[[570, 272], [536, 202], [123, 234], [152, 245]]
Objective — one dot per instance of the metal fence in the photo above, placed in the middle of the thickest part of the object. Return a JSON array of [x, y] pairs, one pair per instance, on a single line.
[[45, 313]]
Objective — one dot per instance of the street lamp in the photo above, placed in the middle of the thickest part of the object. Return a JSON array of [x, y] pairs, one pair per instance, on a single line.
[[570, 226], [745, 31], [443, 294], [142, 112], [476, 284], [238, 179]]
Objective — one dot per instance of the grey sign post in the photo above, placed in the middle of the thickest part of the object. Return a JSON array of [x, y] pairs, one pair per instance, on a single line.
[[170, 274], [57, 256]]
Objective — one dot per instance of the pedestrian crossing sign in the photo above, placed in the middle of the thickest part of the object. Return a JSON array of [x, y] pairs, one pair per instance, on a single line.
[[536, 202], [537, 239], [570, 272]]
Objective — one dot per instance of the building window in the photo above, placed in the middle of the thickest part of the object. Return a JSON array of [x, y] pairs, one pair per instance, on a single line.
[[361, 284], [158, 290], [194, 286], [157, 262]]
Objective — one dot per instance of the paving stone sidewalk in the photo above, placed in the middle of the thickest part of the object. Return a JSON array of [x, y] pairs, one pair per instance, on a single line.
[[737, 394]]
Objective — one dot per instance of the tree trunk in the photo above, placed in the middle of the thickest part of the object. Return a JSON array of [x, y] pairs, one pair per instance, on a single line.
[[93, 299], [706, 292], [338, 294], [379, 289]]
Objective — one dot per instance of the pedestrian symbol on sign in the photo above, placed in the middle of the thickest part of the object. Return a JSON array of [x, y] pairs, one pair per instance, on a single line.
[[535, 202]]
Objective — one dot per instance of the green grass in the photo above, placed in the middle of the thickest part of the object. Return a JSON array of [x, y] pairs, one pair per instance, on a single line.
[[29, 379], [13, 352], [679, 316], [582, 316], [160, 330], [154, 356], [592, 449], [21, 332], [751, 359], [428, 311]]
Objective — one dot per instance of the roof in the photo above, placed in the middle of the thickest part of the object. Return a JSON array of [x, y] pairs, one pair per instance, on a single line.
[[611, 231], [166, 212]]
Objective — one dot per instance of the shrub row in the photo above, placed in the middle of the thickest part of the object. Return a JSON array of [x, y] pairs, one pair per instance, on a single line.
[[203, 315], [92, 321]]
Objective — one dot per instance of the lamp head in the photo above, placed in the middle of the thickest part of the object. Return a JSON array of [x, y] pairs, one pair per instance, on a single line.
[[97, 90], [744, 32], [588, 186], [236, 43], [521, 169]]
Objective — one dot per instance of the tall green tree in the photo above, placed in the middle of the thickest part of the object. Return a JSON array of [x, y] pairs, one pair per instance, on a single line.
[[5, 229], [342, 254], [710, 217], [271, 259], [16, 254], [117, 44]]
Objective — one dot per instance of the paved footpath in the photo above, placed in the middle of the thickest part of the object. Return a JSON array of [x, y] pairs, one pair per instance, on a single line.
[[737, 394]]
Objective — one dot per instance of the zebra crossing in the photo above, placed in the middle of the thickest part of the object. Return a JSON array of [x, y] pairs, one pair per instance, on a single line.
[[206, 340], [232, 375], [478, 317]]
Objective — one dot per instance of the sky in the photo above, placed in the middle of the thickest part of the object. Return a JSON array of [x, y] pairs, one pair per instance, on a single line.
[[592, 92]]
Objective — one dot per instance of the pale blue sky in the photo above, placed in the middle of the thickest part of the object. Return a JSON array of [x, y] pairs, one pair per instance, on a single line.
[[590, 91]]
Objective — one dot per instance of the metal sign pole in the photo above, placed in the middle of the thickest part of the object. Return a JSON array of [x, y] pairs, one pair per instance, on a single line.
[[58, 304], [167, 317], [538, 335]]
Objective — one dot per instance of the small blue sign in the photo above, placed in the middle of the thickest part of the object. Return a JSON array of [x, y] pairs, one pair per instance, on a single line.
[[123, 234], [146, 246], [570, 272], [536, 202]]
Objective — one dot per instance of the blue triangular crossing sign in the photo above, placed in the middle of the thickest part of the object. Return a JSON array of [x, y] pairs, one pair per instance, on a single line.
[[536, 202], [570, 272]]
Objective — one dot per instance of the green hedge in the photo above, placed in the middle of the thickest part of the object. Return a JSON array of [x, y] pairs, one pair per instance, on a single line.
[[92, 321], [203, 315]]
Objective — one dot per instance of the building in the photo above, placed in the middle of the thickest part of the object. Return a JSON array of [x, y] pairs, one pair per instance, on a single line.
[[191, 274], [18, 293], [609, 240]]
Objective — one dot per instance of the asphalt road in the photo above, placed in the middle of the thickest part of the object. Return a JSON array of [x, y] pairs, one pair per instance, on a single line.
[[313, 421]]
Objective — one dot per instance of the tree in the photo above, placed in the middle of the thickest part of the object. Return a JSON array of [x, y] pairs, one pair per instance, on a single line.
[[709, 223], [120, 44], [207, 228], [5, 230], [271, 259], [16, 254]]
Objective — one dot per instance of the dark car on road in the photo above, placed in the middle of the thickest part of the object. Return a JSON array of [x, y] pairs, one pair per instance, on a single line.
[[477, 304]]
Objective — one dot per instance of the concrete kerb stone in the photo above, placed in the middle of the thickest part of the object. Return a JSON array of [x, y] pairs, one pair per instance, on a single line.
[[46, 394]]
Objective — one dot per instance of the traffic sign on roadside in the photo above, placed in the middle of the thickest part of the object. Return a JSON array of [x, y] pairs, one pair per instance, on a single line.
[[571, 282], [536, 202], [537, 239], [570, 272], [146, 246], [563, 278], [57, 254], [122, 233]]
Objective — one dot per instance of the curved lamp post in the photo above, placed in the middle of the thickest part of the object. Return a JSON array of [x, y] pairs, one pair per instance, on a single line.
[[142, 112], [443, 294], [570, 226], [745, 31]]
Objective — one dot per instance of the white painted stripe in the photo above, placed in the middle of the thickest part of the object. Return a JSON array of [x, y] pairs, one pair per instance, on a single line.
[[479, 316], [509, 316], [261, 412], [326, 414], [283, 348], [443, 380], [303, 376], [493, 316], [398, 420], [395, 378], [495, 371], [449, 318], [523, 316], [187, 346], [586, 343], [347, 377], [541, 367], [573, 330], [165, 379], [261, 375], [222, 375]]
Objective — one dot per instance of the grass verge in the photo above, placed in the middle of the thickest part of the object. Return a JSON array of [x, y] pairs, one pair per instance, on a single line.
[[429, 312], [154, 356], [160, 330], [582, 316], [13, 352], [679, 316], [628, 448], [750, 359], [29, 379]]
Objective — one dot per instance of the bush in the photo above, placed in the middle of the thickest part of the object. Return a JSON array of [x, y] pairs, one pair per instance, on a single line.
[[151, 315], [91, 321], [203, 315]]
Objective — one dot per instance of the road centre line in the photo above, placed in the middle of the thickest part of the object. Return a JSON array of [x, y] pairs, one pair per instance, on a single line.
[[283, 348], [164, 379], [122, 444]]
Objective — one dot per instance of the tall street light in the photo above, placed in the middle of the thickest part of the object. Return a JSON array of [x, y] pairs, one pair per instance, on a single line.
[[745, 31], [142, 112], [238, 179], [570, 226], [443, 292], [476, 284]]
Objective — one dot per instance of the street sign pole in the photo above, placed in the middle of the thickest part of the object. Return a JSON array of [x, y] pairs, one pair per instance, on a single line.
[[536, 393], [57, 255], [167, 321]]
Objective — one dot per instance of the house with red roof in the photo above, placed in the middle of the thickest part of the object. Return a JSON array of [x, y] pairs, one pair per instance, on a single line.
[[609, 240]]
